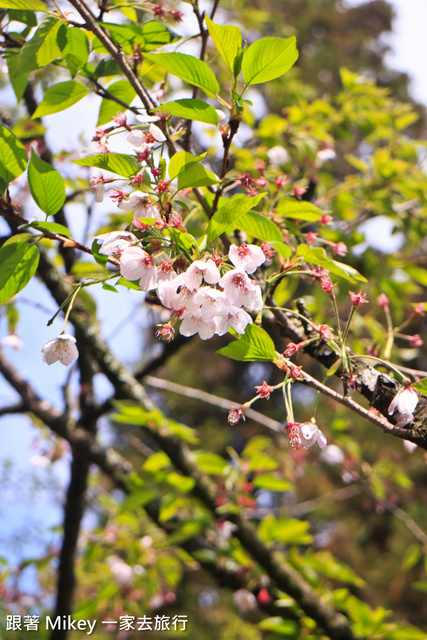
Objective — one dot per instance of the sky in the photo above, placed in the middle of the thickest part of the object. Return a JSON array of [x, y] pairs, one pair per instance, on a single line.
[[408, 54]]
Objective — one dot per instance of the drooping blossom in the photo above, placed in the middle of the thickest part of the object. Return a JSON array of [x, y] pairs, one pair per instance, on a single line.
[[13, 341], [403, 405], [137, 264], [310, 434], [247, 257], [62, 348]]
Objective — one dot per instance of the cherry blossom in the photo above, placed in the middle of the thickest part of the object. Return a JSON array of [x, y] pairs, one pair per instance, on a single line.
[[241, 290], [247, 257], [157, 133], [403, 405], [140, 204], [115, 242], [196, 322], [137, 264], [199, 271], [233, 317], [62, 348], [310, 434]]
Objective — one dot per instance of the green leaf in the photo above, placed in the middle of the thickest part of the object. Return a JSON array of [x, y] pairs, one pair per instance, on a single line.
[[77, 49], [13, 156], [60, 97], [283, 249], [258, 226], [46, 185], [19, 258], [44, 47], [180, 161], [53, 227], [123, 90], [210, 462], [345, 271], [271, 483], [138, 498], [195, 175], [285, 530], [99, 257], [119, 163], [191, 110], [254, 344], [32, 5], [229, 213], [421, 385], [297, 210], [18, 82], [26, 16], [268, 58], [189, 69], [227, 40], [156, 35], [281, 627]]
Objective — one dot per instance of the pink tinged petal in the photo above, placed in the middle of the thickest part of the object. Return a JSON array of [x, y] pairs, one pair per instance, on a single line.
[[135, 200], [404, 401], [236, 318], [321, 439], [403, 419], [115, 241], [247, 257], [194, 323], [136, 138], [212, 301], [147, 210], [308, 433], [137, 264], [211, 272], [157, 133], [145, 119]]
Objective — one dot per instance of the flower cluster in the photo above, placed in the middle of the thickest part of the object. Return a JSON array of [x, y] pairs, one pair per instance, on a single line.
[[207, 310]]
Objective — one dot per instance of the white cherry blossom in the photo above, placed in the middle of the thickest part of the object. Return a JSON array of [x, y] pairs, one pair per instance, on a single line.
[[138, 139], [211, 301], [137, 264], [62, 348], [196, 322], [247, 257], [241, 290], [157, 133], [310, 434], [140, 204], [233, 317], [115, 242], [199, 271], [404, 401]]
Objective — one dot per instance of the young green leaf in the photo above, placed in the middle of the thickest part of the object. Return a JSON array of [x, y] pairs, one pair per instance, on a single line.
[[189, 69], [195, 175], [60, 97], [227, 39], [18, 82], [22, 5], [46, 185], [123, 90], [268, 58], [180, 161], [191, 110], [119, 163], [298, 210], [229, 213], [255, 344], [44, 47], [19, 258], [256, 225], [53, 227], [76, 52], [13, 157]]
